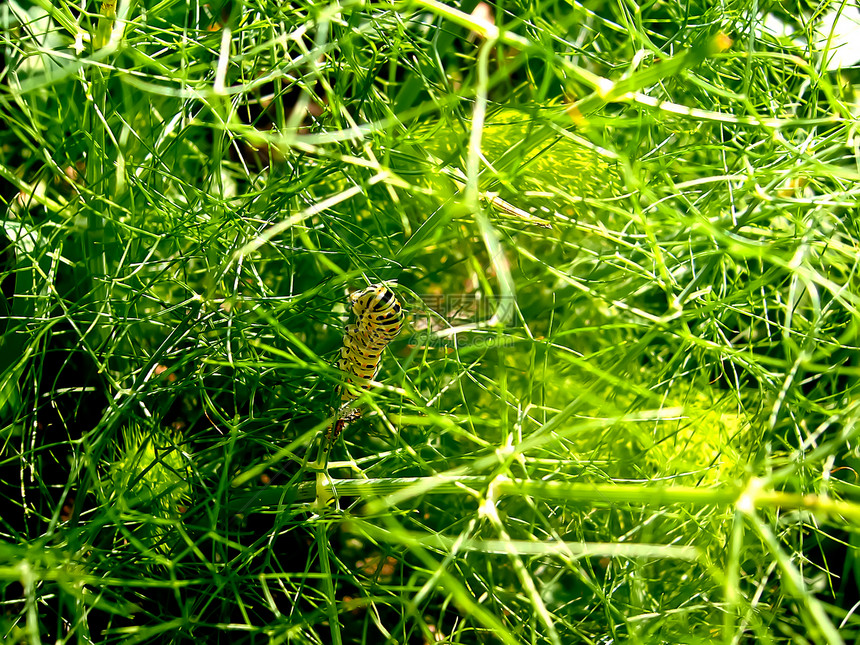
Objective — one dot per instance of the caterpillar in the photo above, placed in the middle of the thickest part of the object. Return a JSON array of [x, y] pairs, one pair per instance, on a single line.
[[378, 318]]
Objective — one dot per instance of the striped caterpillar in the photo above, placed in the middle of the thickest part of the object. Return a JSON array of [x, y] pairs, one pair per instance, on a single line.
[[378, 319]]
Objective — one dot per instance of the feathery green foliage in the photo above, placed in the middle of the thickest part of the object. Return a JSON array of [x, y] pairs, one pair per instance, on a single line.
[[624, 407]]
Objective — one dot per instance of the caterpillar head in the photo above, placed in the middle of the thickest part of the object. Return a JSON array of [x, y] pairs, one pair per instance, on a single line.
[[375, 299]]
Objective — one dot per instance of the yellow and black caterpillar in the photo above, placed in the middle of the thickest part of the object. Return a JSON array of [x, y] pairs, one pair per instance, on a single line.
[[378, 318]]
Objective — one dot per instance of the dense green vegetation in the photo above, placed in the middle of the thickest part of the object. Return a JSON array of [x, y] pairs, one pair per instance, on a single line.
[[624, 407]]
